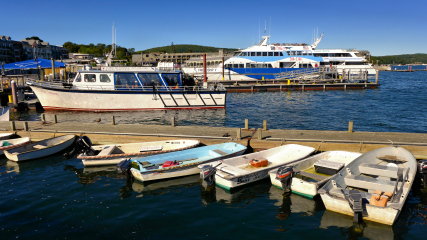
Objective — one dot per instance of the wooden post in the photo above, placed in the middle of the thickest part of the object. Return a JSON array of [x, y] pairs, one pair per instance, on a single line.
[[53, 68], [113, 120], [239, 133], [350, 126], [264, 125], [376, 77], [173, 121], [43, 118], [259, 134], [223, 68], [12, 126], [26, 126], [246, 123], [55, 120]]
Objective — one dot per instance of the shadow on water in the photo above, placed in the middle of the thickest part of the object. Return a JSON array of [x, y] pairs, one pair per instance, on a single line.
[[164, 186]]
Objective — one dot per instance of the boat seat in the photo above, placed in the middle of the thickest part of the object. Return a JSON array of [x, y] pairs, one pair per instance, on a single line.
[[378, 170], [369, 183], [232, 170], [311, 175], [107, 150], [39, 146], [217, 153]]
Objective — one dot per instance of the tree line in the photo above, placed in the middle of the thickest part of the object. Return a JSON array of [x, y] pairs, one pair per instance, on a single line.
[[400, 59]]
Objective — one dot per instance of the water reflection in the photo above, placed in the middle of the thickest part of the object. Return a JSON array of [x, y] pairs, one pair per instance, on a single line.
[[351, 230], [90, 175], [165, 186]]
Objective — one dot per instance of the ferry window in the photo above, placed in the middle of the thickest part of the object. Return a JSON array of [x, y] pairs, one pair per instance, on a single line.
[[269, 65], [104, 78], [304, 53], [258, 54], [241, 65], [298, 52], [259, 65], [248, 65], [281, 54], [244, 54], [270, 54], [126, 80], [253, 65], [171, 79], [235, 65], [78, 78], [276, 54], [90, 78], [264, 54], [253, 54], [292, 53], [150, 79]]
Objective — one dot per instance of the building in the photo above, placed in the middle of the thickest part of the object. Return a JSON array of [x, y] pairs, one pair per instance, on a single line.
[[177, 58], [16, 51], [6, 49]]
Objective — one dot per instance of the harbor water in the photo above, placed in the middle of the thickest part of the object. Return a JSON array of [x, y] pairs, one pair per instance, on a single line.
[[58, 198]]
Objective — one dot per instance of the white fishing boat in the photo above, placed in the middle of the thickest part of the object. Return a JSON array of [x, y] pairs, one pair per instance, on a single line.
[[126, 89], [311, 173], [178, 164], [115, 153], [8, 144], [374, 186], [238, 171], [40, 149]]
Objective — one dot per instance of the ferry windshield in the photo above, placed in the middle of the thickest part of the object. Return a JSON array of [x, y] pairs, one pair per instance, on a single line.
[[127, 80], [171, 79], [150, 79]]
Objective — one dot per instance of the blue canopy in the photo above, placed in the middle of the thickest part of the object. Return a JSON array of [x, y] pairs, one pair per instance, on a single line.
[[29, 64]]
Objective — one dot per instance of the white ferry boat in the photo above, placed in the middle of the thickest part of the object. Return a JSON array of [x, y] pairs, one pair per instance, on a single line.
[[127, 89], [271, 61]]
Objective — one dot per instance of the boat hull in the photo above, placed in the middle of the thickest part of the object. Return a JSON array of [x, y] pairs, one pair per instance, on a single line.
[[126, 100], [177, 171], [30, 154]]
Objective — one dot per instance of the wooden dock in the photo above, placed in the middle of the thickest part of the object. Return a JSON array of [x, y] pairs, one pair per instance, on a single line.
[[258, 139]]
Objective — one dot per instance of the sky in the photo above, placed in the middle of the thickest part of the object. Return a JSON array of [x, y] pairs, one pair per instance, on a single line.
[[381, 27]]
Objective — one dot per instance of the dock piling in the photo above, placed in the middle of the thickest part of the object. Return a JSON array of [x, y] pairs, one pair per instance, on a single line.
[[113, 120], [55, 119], [259, 133], [350, 126], [26, 126], [12, 126], [239, 133], [43, 117], [264, 125], [173, 121], [246, 124]]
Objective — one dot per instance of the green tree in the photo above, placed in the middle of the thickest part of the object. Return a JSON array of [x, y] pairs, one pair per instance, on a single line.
[[34, 38]]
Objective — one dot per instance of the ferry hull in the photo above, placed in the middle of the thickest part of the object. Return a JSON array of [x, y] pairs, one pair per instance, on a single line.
[[104, 100]]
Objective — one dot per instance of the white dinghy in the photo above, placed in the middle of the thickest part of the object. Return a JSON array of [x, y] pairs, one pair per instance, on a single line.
[[13, 143], [374, 186], [115, 153], [40, 149], [311, 173], [238, 171], [4, 136]]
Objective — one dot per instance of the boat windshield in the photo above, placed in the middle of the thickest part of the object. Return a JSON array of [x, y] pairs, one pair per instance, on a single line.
[[150, 79], [126, 80], [172, 79]]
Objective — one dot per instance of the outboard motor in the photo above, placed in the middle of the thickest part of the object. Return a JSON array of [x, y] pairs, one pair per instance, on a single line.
[[355, 201], [422, 171], [83, 145], [284, 175], [207, 173], [124, 167]]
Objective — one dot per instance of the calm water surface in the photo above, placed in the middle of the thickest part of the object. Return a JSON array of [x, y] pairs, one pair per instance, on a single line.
[[56, 198]]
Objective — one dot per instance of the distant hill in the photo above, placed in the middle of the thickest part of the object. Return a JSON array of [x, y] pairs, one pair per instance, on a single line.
[[186, 48], [401, 59]]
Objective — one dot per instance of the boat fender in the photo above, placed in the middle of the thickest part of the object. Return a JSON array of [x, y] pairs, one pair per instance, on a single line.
[[124, 167], [207, 173], [284, 175]]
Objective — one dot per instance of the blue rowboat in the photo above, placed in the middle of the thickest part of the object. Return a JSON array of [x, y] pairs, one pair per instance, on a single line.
[[179, 164]]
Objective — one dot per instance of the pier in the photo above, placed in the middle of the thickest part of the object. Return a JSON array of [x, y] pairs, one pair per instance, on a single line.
[[258, 139]]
